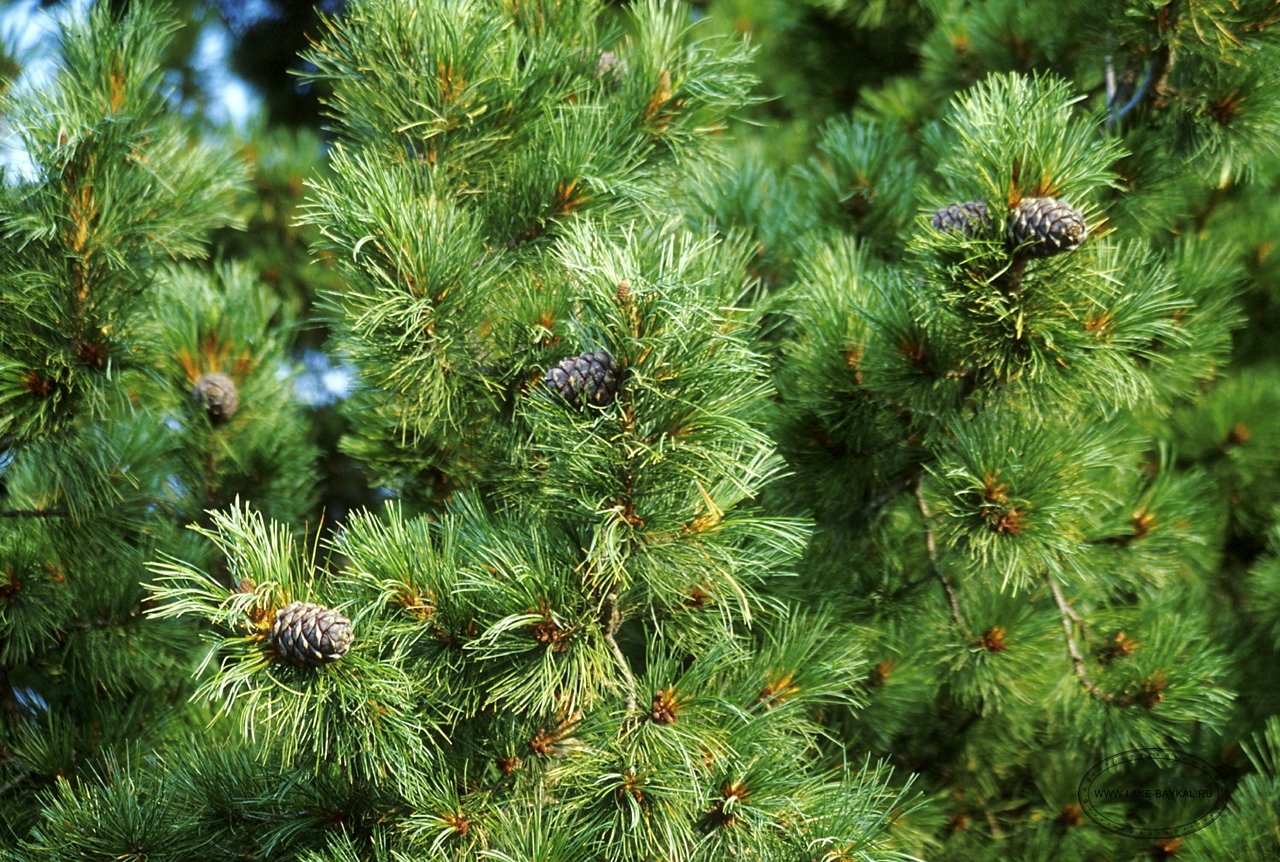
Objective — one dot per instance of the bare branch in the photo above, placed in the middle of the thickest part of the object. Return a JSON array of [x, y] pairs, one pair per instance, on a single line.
[[931, 546], [14, 782], [612, 620], [1069, 619]]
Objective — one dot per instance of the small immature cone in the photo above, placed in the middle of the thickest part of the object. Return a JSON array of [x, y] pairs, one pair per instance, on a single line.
[[217, 394], [969, 218], [308, 635], [610, 67], [590, 377], [1040, 227]]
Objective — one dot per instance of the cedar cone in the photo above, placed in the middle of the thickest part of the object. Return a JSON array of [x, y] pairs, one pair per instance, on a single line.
[[1044, 226], [216, 393], [969, 218], [593, 375], [309, 635]]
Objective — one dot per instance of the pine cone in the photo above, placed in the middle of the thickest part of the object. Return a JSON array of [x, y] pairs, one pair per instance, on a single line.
[[1044, 226], [217, 394], [593, 376], [609, 65], [969, 218], [309, 635]]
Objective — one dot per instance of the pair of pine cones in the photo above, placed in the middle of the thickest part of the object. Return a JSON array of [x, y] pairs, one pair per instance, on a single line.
[[1038, 227]]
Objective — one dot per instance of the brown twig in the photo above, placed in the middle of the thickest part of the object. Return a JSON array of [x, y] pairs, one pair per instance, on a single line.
[[1070, 618], [931, 546], [1009, 282], [1162, 66], [1216, 199], [65, 512]]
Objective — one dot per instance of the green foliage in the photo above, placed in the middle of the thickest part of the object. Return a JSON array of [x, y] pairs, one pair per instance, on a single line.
[[225, 322], [466, 646], [452, 291], [115, 817], [895, 527], [118, 186], [1064, 422], [574, 627], [864, 175], [1248, 829], [1014, 500], [103, 453]]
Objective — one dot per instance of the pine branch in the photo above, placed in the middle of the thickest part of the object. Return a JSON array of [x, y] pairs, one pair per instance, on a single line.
[[56, 512], [612, 620], [931, 545], [894, 489], [14, 782], [1069, 619]]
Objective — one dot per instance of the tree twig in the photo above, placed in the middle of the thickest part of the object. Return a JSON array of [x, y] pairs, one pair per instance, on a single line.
[[1009, 282], [14, 782], [1161, 67], [1117, 114], [1070, 618], [1109, 75], [931, 546], [160, 503], [56, 512], [1216, 199], [894, 489], [612, 620]]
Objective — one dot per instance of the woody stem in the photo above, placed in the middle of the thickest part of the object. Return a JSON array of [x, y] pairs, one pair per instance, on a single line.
[[931, 547], [1070, 619], [612, 621]]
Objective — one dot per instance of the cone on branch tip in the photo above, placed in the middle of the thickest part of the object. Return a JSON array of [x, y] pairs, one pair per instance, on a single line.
[[1040, 227], [968, 218], [217, 395], [590, 378], [307, 635]]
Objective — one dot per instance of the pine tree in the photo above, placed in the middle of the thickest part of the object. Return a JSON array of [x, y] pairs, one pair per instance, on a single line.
[[107, 451], [1038, 479], [555, 644], [840, 484]]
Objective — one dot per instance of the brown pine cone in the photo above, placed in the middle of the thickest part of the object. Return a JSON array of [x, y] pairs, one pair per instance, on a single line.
[[217, 394], [1040, 227], [309, 635]]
